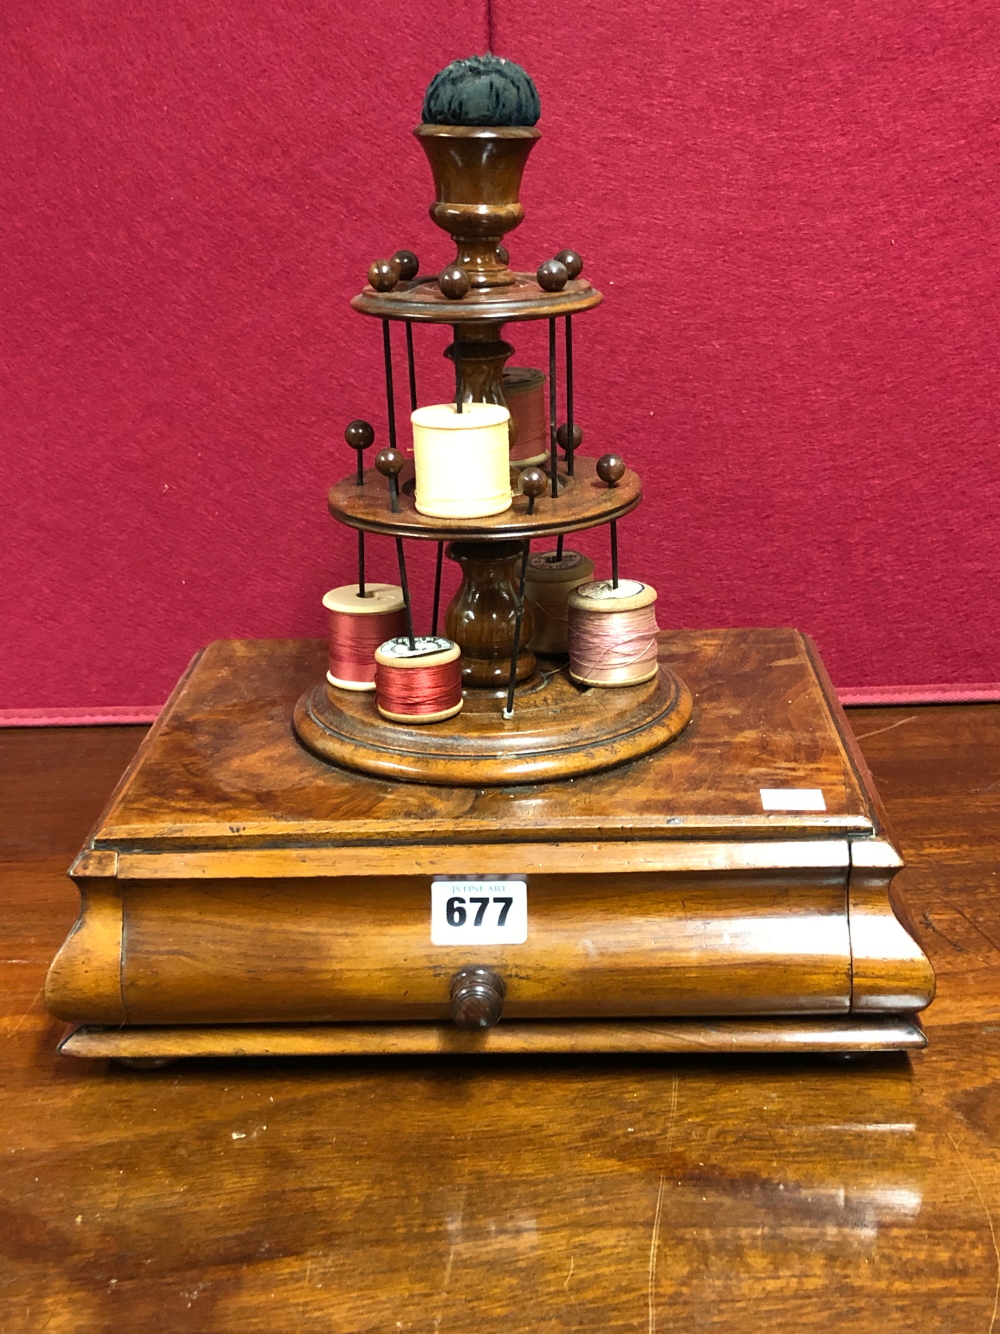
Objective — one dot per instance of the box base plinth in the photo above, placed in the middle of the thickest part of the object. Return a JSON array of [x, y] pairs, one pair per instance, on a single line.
[[241, 896], [797, 1034]]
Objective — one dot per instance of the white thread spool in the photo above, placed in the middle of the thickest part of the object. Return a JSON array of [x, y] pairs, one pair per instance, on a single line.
[[547, 587], [462, 460], [612, 633], [357, 625], [524, 390], [422, 684]]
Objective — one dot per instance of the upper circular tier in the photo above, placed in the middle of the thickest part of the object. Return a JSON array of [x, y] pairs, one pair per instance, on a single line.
[[584, 501], [421, 300]]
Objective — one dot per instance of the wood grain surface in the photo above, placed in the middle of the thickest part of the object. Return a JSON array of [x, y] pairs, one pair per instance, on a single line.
[[523, 1194]]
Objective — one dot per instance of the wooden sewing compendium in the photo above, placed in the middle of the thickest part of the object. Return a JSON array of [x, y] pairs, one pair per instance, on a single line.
[[485, 852]]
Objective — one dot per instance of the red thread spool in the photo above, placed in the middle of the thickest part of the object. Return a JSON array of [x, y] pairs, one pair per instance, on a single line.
[[524, 390], [421, 684], [611, 633], [357, 626]]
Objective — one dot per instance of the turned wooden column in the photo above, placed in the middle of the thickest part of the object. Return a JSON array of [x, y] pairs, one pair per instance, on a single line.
[[483, 354], [481, 616]]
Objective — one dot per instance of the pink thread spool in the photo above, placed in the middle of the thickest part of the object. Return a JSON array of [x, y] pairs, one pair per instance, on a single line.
[[524, 391], [611, 633], [357, 626]]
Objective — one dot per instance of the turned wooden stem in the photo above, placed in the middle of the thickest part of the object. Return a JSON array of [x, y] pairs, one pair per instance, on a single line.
[[482, 616]]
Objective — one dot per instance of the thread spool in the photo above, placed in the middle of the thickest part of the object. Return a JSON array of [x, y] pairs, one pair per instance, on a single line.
[[547, 587], [524, 390], [611, 633], [357, 626], [461, 460], [418, 685]]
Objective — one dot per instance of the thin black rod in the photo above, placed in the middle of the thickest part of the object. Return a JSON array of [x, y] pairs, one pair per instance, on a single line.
[[394, 492], [518, 619], [559, 547], [390, 397], [437, 587], [553, 455], [361, 563], [614, 553], [569, 394], [361, 468], [458, 371], [410, 367], [405, 586]]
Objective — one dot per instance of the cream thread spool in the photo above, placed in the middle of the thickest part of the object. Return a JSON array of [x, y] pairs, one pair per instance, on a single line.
[[357, 626], [548, 585], [421, 684], [612, 633], [461, 460], [524, 390]]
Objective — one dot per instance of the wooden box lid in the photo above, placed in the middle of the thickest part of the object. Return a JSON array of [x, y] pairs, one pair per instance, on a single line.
[[222, 768]]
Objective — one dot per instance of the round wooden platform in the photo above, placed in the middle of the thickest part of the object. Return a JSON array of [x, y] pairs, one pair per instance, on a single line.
[[421, 300], [584, 501], [559, 730]]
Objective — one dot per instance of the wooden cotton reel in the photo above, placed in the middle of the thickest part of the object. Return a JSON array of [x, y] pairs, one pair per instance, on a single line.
[[612, 633], [461, 460], [357, 626], [422, 684], [547, 586], [524, 390]]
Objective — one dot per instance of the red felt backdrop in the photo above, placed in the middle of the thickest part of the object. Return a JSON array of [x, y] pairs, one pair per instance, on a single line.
[[791, 211]]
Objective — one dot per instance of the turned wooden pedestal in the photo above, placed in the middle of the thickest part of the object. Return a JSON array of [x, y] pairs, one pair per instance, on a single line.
[[240, 895]]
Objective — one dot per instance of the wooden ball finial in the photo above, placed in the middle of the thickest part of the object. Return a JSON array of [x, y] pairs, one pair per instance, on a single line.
[[359, 434], [389, 462], [611, 469], [552, 276], [409, 265], [534, 483], [454, 282], [571, 261], [384, 275], [562, 437]]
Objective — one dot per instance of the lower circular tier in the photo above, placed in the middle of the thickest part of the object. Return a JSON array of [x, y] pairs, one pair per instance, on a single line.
[[559, 730]]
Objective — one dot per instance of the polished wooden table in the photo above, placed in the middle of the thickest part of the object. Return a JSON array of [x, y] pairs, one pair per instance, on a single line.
[[473, 1195]]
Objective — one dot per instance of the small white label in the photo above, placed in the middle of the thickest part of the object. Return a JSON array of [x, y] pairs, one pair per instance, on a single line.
[[792, 799], [479, 912]]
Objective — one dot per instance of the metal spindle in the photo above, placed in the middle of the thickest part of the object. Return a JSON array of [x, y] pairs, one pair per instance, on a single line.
[[390, 398], [614, 553], [405, 586], [553, 455], [410, 367], [569, 394], [437, 587], [458, 370]]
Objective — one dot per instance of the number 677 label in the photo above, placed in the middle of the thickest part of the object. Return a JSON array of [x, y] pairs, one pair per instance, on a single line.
[[479, 912]]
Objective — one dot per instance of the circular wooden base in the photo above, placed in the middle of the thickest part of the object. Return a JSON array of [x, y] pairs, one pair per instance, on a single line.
[[559, 730]]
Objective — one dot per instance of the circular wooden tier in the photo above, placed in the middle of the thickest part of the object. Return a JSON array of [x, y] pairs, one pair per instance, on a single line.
[[421, 300], [559, 730], [584, 501]]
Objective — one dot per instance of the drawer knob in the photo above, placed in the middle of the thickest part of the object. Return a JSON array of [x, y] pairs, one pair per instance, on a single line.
[[476, 997]]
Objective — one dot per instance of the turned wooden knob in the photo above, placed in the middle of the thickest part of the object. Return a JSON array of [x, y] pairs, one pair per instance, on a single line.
[[552, 276], [384, 275], [476, 997], [454, 282], [409, 265], [562, 437], [610, 469], [389, 462], [503, 255], [571, 261]]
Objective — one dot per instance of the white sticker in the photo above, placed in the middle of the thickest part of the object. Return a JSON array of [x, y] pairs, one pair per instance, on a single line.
[[479, 912], [792, 799]]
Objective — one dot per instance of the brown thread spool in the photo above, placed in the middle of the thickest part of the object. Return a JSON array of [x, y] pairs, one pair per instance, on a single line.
[[612, 633], [524, 390], [357, 626], [547, 587], [419, 685]]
